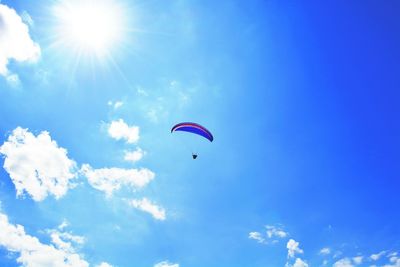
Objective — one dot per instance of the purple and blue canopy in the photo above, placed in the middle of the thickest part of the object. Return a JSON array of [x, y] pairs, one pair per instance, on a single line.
[[195, 128]]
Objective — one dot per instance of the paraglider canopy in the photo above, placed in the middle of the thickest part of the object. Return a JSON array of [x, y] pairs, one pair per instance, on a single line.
[[195, 128]]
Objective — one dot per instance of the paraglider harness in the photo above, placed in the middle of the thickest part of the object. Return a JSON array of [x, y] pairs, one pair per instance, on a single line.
[[194, 156]]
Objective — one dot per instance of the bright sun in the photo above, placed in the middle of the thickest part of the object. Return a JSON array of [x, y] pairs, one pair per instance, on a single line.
[[90, 26]]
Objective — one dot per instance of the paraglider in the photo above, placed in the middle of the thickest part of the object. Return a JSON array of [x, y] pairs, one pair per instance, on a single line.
[[194, 128]]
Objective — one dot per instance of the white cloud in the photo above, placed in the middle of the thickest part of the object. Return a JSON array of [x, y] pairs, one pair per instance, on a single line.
[[134, 156], [104, 264], [377, 256], [116, 104], [256, 236], [325, 251], [65, 241], [111, 179], [337, 254], [358, 260], [300, 263], [13, 80], [394, 260], [37, 165], [33, 253], [15, 42], [297, 263], [293, 248], [63, 225], [346, 262], [275, 231], [272, 234], [120, 130], [146, 205], [166, 264]]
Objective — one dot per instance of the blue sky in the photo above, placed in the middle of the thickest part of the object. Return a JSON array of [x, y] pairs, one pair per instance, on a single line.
[[302, 98]]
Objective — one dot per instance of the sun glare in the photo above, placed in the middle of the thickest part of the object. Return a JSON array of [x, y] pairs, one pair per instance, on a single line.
[[92, 26]]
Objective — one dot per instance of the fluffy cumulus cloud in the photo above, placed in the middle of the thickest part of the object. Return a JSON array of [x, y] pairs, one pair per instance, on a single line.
[[37, 165], [15, 42], [33, 253], [120, 130], [104, 264], [293, 248], [166, 264], [134, 156], [146, 205], [110, 179]]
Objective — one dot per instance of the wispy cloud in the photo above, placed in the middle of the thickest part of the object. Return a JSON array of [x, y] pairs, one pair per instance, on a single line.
[[272, 234], [37, 165], [325, 251], [377, 256], [116, 104], [257, 236], [166, 264], [345, 262], [147, 206], [157, 105], [15, 42], [65, 241], [27, 18], [110, 179], [274, 231]]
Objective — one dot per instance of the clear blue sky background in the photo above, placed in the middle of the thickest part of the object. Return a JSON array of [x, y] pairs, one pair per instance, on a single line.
[[301, 96]]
